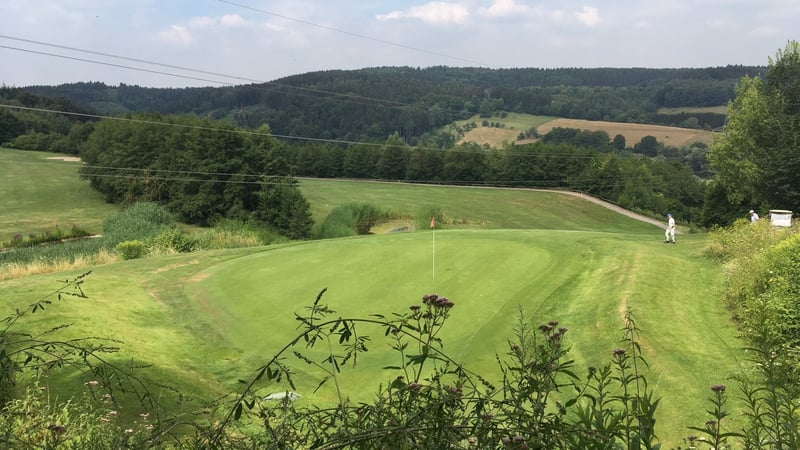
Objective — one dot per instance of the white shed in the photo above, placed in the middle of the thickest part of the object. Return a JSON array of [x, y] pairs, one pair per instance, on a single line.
[[780, 217]]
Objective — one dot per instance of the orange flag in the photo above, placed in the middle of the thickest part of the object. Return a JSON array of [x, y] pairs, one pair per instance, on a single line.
[[433, 222]]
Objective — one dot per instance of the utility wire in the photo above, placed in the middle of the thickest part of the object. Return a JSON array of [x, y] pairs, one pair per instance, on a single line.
[[307, 91], [350, 33], [368, 100], [303, 138]]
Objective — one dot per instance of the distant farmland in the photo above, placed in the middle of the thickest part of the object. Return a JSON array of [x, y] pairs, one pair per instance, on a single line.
[[633, 132]]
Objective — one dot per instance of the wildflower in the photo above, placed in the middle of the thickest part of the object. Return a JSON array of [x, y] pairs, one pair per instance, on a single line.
[[443, 302], [718, 388], [619, 352], [92, 383], [429, 298], [112, 413], [414, 308], [129, 431], [416, 387]]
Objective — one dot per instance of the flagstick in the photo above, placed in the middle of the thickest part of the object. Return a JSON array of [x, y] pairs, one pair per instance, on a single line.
[[433, 270]]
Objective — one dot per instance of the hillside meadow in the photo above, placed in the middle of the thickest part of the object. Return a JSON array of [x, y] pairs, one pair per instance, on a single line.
[[206, 319], [515, 123], [41, 191]]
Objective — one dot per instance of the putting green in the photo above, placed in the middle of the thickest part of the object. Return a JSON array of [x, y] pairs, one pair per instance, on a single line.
[[489, 275]]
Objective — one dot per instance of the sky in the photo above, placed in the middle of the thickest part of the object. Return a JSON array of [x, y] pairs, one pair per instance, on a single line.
[[180, 43]]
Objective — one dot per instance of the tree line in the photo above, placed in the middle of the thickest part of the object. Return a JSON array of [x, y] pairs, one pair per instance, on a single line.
[[370, 104], [202, 170]]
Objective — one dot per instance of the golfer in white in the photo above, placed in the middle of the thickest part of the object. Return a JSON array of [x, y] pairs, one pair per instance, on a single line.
[[669, 235]]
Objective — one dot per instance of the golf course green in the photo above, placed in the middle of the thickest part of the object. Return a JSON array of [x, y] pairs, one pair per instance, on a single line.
[[204, 320]]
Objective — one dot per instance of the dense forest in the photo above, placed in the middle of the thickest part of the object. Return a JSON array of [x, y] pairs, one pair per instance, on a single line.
[[370, 104]]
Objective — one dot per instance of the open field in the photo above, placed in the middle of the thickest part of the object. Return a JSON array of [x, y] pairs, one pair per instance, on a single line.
[[497, 137], [206, 319], [634, 132], [39, 193]]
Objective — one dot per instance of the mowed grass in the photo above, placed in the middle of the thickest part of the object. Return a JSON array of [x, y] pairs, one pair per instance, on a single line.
[[472, 207], [39, 193], [207, 319]]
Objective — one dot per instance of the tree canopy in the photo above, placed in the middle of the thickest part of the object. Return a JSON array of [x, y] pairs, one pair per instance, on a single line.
[[757, 158]]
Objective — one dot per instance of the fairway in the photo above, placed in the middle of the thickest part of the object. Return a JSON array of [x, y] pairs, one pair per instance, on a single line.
[[40, 193]]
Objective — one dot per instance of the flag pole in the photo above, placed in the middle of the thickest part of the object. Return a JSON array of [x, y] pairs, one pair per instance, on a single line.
[[433, 266]]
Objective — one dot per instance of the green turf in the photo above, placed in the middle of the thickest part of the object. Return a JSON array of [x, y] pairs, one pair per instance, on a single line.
[[39, 194], [473, 207], [206, 319]]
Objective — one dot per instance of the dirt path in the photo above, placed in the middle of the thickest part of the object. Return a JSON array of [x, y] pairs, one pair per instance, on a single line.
[[613, 207]]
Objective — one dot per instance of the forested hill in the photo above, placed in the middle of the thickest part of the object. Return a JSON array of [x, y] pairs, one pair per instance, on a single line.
[[371, 104]]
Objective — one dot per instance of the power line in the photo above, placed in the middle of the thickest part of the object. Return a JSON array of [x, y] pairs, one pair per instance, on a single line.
[[356, 99], [189, 69], [350, 33], [588, 183], [290, 137]]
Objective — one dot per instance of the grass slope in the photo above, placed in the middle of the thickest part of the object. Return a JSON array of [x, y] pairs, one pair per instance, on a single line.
[[473, 207], [39, 193]]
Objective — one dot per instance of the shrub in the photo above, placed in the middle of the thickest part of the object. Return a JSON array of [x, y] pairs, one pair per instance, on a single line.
[[138, 221], [171, 240], [351, 219], [131, 249]]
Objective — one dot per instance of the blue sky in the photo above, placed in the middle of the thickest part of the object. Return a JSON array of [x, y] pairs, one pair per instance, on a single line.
[[255, 40]]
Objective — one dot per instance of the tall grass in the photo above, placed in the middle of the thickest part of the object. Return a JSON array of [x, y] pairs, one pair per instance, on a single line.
[[138, 221], [55, 258], [351, 219]]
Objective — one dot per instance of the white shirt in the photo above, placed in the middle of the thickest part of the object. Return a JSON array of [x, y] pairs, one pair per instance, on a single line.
[[671, 222]]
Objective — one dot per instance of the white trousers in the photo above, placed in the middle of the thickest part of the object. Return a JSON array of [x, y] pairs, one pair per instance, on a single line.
[[669, 235]]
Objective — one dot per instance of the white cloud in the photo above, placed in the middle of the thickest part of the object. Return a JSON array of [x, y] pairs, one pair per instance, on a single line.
[[589, 16], [176, 35], [232, 20], [504, 8], [439, 13]]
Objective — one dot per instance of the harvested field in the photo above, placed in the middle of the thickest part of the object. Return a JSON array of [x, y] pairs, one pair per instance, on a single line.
[[634, 132]]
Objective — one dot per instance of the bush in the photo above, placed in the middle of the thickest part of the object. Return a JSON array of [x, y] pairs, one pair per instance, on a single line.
[[131, 249], [171, 240], [351, 219], [138, 221]]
